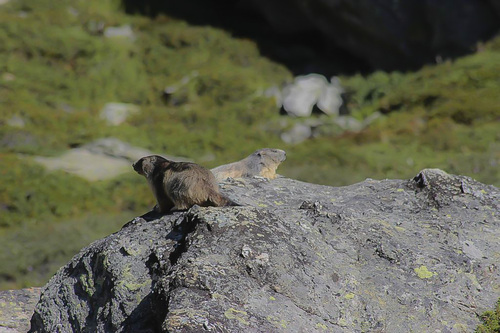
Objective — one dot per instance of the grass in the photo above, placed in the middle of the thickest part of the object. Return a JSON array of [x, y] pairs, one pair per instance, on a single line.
[[39, 256], [57, 70], [490, 321]]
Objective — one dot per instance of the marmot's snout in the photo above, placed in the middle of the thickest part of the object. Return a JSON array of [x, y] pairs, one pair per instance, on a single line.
[[284, 155]]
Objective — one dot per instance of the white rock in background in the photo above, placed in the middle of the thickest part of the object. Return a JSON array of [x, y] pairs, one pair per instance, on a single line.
[[300, 97], [102, 159], [297, 134], [330, 99], [349, 123], [183, 82], [323, 126], [116, 148], [306, 91], [16, 121], [117, 113], [86, 164], [124, 31]]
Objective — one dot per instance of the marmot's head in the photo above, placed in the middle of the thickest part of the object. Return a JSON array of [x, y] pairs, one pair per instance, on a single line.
[[270, 156], [146, 165]]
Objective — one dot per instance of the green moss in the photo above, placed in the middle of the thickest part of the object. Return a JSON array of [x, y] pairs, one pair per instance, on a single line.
[[130, 282], [87, 284], [490, 321], [33, 251]]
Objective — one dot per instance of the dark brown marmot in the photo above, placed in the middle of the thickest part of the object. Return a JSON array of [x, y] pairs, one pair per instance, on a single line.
[[262, 162], [180, 185]]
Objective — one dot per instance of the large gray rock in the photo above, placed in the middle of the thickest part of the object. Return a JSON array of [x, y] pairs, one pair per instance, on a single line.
[[417, 255]]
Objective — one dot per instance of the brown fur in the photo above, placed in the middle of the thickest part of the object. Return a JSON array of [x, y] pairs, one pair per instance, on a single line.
[[180, 185], [262, 162]]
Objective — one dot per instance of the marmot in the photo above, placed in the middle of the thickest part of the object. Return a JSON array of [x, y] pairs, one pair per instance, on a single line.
[[180, 185], [262, 162]]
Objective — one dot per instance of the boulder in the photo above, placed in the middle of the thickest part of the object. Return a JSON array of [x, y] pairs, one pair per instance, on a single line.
[[101, 159], [418, 255], [310, 91]]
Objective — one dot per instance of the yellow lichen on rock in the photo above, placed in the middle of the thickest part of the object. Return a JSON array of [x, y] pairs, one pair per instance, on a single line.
[[423, 273]]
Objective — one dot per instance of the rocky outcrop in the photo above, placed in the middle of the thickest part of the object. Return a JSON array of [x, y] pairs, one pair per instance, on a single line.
[[400, 34], [385, 34], [391, 34], [415, 255]]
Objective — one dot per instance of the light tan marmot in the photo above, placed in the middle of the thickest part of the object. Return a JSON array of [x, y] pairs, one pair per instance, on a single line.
[[180, 185], [262, 162]]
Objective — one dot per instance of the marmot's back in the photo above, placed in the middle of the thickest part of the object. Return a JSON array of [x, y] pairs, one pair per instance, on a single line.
[[190, 184], [262, 162]]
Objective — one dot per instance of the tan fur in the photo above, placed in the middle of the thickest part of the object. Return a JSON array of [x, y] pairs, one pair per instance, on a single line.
[[262, 162], [180, 185]]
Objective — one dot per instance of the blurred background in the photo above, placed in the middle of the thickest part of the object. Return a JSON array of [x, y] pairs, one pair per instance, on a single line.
[[349, 89]]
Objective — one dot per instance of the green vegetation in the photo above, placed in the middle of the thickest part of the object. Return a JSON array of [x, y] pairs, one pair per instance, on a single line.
[[57, 70], [34, 255], [490, 321]]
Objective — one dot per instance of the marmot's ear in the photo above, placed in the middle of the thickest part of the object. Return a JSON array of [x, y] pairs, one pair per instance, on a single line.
[[259, 154]]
